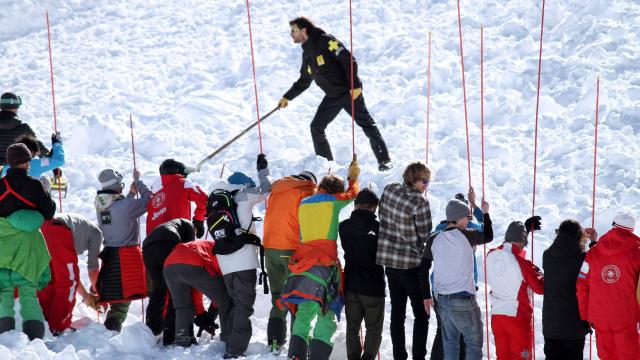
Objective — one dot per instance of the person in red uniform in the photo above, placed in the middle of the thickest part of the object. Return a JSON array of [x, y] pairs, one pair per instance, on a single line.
[[513, 280], [172, 198], [606, 290]]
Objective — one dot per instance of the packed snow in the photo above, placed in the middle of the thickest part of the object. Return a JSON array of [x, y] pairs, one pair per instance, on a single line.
[[183, 70]]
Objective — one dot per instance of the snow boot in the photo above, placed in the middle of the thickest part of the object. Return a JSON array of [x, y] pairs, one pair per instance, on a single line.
[[233, 355], [319, 350], [297, 348], [183, 339], [33, 328], [113, 324], [385, 166], [7, 324], [276, 332]]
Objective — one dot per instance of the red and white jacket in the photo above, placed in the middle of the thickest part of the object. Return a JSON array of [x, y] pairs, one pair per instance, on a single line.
[[172, 200], [607, 281], [512, 279]]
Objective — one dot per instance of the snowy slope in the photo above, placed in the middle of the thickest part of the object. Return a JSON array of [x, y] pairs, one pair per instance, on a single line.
[[183, 70]]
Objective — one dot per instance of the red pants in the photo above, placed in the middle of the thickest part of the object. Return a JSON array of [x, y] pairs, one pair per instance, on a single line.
[[617, 341], [513, 337], [59, 297]]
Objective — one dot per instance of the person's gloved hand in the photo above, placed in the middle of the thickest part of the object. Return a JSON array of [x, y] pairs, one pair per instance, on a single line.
[[56, 138], [354, 169], [262, 162], [199, 227], [355, 93], [206, 322], [57, 173], [534, 222], [283, 103]]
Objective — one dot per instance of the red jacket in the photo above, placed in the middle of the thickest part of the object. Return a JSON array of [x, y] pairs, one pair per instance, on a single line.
[[173, 201], [196, 253], [606, 286], [512, 279]]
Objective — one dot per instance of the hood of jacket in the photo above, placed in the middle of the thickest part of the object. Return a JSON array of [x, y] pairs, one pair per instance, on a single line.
[[105, 198], [288, 183], [9, 120], [617, 241]]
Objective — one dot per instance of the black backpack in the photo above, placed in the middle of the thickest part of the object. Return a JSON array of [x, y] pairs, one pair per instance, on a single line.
[[224, 225]]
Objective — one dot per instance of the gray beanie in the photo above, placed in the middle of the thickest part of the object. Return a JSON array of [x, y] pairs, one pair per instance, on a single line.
[[18, 154], [516, 233], [110, 180], [456, 210]]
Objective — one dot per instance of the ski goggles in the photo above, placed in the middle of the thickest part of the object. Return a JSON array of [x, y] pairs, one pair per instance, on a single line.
[[11, 103]]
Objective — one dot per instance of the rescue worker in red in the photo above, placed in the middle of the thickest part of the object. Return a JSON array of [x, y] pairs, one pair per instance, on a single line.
[[172, 198], [606, 290], [68, 235], [513, 280], [193, 265], [122, 276]]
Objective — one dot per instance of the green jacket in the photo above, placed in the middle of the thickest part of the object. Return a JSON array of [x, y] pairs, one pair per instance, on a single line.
[[24, 252]]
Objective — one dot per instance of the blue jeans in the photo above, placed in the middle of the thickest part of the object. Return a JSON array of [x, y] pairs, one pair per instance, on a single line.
[[460, 317]]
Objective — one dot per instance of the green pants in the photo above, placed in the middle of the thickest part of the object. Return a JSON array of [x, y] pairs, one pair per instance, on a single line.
[[277, 264], [29, 307], [325, 324], [118, 311]]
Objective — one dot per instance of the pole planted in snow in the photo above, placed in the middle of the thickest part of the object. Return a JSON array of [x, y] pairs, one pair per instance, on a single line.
[[53, 101]]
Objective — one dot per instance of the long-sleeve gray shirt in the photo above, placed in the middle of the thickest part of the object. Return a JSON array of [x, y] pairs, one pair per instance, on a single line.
[[86, 236], [118, 216]]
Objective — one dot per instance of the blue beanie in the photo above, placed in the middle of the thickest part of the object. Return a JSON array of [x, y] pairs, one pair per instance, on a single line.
[[239, 178]]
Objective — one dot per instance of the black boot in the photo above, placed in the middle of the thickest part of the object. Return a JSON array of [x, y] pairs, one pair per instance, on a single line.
[[276, 334], [183, 338], [319, 350], [33, 328], [297, 348], [7, 324], [113, 324]]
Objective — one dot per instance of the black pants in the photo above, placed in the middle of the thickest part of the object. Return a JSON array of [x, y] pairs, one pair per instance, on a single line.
[[405, 284], [154, 256], [437, 349], [330, 108], [556, 349]]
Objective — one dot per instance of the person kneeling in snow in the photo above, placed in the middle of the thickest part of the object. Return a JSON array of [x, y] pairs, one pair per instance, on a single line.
[[237, 247], [193, 265], [155, 250], [606, 290], [68, 235], [512, 279], [122, 276], [314, 287], [24, 258]]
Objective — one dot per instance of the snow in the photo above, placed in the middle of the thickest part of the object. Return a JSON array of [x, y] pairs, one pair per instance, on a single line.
[[183, 70]]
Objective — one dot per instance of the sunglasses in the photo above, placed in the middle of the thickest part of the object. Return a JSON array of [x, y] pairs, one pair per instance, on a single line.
[[469, 217], [294, 29], [425, 182]]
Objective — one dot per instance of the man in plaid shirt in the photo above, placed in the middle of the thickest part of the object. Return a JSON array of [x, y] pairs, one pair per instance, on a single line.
[[405, 225]]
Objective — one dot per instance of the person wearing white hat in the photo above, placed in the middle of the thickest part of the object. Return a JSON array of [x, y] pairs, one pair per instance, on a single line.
[[606, 289]]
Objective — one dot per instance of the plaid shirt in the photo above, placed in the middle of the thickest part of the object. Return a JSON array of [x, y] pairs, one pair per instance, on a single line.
[[405, 225]]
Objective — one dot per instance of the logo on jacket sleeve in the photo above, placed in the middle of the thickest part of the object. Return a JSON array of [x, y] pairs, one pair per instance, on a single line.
[[610, 274], [320, 60]]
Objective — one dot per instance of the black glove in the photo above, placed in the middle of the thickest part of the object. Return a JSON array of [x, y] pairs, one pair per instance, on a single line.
[[57, 173], [56, 138], [199, 227], [206, 322], [262, 162], [534, 222]]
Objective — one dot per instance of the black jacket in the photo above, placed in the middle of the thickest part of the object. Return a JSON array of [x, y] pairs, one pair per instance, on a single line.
[[171, 233], [12, 128], [561, 263], [29, 188], [359, 239], [328, 62]]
